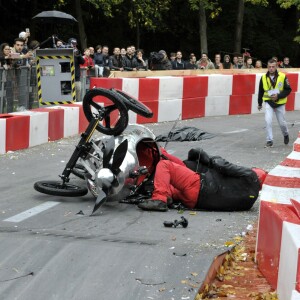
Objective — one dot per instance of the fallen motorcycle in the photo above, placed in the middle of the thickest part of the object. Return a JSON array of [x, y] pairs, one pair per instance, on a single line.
[[113, 166]]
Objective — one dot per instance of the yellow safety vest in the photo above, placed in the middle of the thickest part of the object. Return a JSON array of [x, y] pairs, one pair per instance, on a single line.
[[267, 85]]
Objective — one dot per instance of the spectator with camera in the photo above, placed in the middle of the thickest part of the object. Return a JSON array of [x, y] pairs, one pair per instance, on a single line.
[[205, 63], [159, 61], [24, 35], [17, 53]]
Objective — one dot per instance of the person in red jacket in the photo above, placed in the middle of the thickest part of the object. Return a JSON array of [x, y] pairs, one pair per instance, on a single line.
[[203, 182], [88, 61]]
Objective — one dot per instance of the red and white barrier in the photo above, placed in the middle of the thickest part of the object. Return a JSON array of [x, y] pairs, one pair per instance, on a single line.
[[26, 129], [197, 96], [278, 238], [168, 97]]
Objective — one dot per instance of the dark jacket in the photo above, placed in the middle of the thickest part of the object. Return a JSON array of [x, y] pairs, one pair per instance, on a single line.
[[224, 186], [78, 60], [176, 65], [163, 65], [129, 63], [115, 62], [101, 60]]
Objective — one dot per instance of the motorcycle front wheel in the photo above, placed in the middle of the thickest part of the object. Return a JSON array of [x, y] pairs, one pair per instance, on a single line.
[[58, 188]]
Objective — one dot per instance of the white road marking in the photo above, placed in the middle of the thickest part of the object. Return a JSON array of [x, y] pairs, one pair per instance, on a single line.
[[235, 131], [31, 212]]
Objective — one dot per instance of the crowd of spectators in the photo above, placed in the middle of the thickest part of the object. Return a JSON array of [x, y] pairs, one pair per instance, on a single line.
[[129, 59], [100, 62]]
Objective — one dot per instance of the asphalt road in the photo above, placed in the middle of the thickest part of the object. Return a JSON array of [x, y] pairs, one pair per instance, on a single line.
[[122, 252]]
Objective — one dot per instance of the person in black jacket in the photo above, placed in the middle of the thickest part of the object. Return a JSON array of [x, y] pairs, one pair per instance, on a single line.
[[129, 61], [116, 60], [78, 60], [178, 63], [204, 182], [159, 61]]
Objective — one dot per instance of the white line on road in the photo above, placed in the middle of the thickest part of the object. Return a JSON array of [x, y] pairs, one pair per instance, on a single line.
[[235, 131], [31, 212]]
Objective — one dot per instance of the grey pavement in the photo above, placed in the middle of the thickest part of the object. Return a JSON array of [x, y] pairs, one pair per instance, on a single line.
[[122, 252]]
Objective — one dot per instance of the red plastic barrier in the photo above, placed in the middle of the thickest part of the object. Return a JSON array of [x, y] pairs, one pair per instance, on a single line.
[[243, 84], [17, 131], [240, 104], [193, 108], [270, 228], [149, 95]]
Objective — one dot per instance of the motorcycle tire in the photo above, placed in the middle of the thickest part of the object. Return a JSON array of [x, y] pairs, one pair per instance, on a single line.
[[79, 171], [56, 188], [119, 105], [135, 105]]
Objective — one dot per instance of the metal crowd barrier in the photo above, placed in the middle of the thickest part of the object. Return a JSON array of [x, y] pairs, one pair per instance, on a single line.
[[18, 90]]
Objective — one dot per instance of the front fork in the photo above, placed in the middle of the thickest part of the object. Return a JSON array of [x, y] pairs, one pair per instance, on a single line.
[[82, 149]]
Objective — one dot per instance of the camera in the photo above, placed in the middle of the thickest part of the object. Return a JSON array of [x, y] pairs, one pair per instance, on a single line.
[[156, 58]]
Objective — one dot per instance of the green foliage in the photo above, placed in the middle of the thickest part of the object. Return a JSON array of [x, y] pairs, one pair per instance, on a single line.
[[212, 6], [259, 2], [147, 13], [289, 3], [105, 5]]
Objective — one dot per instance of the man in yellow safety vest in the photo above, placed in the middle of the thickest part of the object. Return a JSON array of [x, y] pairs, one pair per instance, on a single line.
[[274, 88]]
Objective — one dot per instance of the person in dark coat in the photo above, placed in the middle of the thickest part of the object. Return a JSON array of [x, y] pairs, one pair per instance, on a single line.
[[129, 61], [160, 61], [78, 60], [204, 182]]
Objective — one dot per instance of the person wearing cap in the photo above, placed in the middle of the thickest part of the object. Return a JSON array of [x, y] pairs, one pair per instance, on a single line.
[[24, 36], [204, 182], [78, 60], [160, 61]]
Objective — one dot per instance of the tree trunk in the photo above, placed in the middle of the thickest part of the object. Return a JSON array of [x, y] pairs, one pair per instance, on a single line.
[[202, 29], [138, 36], [239, 26], [82, 35]]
